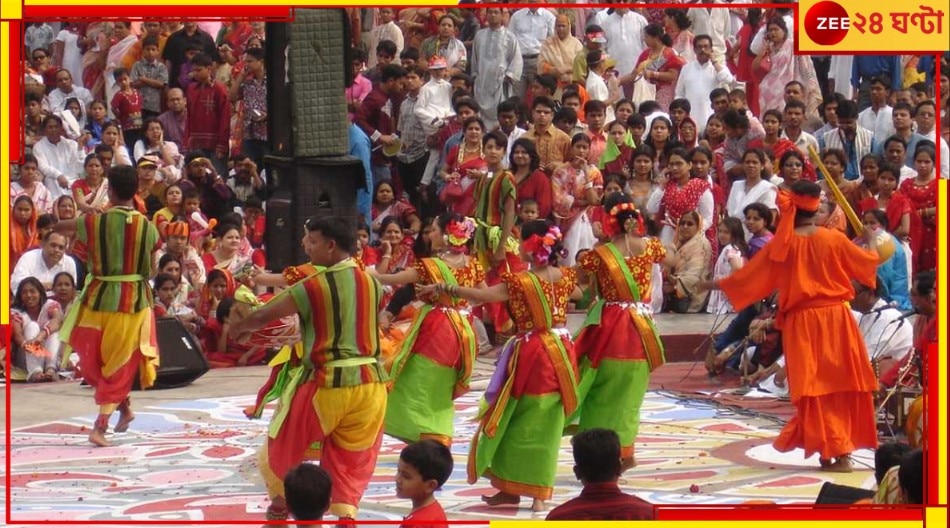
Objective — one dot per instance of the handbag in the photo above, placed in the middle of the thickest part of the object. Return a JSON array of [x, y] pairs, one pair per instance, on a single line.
[[677, 304]]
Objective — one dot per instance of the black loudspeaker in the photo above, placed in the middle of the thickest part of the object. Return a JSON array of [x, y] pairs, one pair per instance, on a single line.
[[308, 68], [307, 188], [180, 359], [837, 494]]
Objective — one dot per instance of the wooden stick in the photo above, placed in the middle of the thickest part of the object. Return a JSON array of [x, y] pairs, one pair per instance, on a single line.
[[839, 196]]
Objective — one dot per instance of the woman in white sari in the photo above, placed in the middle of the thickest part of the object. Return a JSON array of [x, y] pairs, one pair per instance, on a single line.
[[756, 186]]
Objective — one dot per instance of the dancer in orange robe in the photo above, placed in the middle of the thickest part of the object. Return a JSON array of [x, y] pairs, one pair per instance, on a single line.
[[829, 374]]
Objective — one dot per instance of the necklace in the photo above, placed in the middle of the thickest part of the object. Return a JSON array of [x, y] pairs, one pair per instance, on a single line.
[[463, 151]]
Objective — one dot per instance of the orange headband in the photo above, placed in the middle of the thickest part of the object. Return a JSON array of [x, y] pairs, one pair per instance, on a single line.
[[177, 229], [788, 204]]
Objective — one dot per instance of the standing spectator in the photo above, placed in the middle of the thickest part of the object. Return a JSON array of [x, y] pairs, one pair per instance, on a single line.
[[903, 121], [38, 35], [250, 88], [854, 140], [415, 157], [361, 86], [926, 117], [66, 51], [878, 118], [792, 119], [554, 146], [127, 108], [432, 105], [386, 30], [150, 78], [385, 55], [558, 52], [699, 77], [58, 157], [602, 83], [866, 67], [116, 57], [175, 120], [151, 28], [175, 47], [361, 148], [378, 117], [209, 114], [531, 26], [445, 45], [496, 65], [624, 31], [594, 35], [777, 61], [658, 64]]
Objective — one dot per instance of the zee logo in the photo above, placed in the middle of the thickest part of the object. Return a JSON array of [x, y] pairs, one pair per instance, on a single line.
[[827, 23]]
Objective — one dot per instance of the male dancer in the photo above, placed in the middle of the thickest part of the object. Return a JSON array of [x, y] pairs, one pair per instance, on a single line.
[[111, 325], [333, 406]]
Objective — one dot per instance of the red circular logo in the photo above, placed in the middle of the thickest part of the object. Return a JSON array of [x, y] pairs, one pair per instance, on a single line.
[[827, 23]]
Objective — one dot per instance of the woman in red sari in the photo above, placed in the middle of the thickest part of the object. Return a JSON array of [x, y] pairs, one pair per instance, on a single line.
[[462, 166], [772, 124], [890, 200], [659, 64], [680, 194], [922, 192], [395, 251]]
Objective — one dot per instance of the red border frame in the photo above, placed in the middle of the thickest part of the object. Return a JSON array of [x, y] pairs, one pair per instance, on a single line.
[[671, 512]]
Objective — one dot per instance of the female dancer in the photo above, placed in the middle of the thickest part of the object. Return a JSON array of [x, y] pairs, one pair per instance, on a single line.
[[618, 346], [434, 363], [535, 386]]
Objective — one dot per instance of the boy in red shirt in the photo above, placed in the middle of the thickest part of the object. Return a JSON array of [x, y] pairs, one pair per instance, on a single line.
[[423, 468]]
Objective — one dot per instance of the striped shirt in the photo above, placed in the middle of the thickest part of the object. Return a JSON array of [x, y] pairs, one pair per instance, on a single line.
[[338, 322], [117, 242]]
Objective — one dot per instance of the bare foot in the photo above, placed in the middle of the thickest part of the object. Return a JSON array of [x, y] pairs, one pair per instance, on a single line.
[[627, 463], [538, 505], [126, 417], [98, 438], [501, 498]]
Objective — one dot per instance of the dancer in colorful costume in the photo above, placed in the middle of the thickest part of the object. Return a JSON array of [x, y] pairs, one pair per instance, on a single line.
[[618, 346], [111, 324], [434, 364], [830, 377], [535, 385], [333, 402]]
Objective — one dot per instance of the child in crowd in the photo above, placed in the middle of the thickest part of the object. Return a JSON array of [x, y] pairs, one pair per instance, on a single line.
[[731, 258], [595, 112], [255, 222], [150, 77], [365, 253], [598, 217], [758, 217], [307, 490], [127, 108], [566, 120], [422, 469]]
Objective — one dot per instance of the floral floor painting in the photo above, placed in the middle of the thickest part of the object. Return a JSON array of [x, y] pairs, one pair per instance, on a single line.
[[196, 460]]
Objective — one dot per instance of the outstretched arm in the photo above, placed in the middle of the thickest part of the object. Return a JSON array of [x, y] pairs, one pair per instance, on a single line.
[[497, 293], [406, 276], [269, 312]]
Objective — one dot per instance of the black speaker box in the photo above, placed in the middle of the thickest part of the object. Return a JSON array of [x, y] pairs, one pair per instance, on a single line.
[[307, 188], [837, 494], [180, 359], [308, 64]]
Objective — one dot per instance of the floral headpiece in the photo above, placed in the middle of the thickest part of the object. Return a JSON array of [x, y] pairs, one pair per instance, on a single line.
[[540, 248], [613, 225], [459, 232]]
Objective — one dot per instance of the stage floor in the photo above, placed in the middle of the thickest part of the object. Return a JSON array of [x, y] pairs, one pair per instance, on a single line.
[[191, 454]]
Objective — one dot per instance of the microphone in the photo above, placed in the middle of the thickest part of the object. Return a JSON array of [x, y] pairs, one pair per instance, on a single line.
[[877, 311], [905, 316]]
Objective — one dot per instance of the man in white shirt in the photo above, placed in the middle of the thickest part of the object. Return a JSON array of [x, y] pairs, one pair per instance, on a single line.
[[432, 107], [531, 26], [386, 30], [601, 83], [716, 23], [624, 31], [58, 157], [926, 117], [887, 336], [700, 77], [508, 125], [44, 263], [496, 65], [66, 89], [878, 118]]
